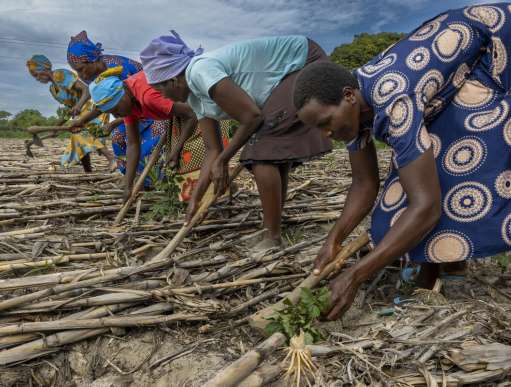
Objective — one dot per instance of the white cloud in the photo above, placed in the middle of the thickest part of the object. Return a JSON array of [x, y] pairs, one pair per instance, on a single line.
[[125, 27]]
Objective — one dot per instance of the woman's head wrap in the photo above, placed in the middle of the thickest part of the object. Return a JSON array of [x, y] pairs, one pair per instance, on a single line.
[[166, 57], [82, 50]]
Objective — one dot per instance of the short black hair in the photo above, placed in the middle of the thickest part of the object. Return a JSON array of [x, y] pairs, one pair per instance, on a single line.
[[322, 81]]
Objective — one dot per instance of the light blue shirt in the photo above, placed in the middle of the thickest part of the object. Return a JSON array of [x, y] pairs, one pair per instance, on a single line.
[[257, 66]]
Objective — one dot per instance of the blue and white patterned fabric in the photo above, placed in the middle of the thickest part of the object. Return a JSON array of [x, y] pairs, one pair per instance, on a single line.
[[447, 85]]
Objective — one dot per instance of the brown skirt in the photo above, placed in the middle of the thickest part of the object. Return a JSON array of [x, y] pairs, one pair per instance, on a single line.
[[282, 137]]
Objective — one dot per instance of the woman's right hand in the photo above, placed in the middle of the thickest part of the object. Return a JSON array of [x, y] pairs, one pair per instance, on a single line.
[[327, 253], [107, 129], [74, 126]]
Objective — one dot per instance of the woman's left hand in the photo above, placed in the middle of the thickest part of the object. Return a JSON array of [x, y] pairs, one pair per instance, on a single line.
[[173, 160], [343, 291], [75, 111], [220, 176]]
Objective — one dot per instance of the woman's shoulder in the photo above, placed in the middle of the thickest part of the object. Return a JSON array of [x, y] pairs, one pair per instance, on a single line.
[[64, 78]]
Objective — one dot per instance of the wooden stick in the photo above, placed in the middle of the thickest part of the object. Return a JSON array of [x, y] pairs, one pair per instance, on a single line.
[[259, 320], [223, 285], [52, 261], [53, 342], [39, 129], [114, 274], [185, 229], [262, 376], [124, 321], [140, 181], [241, 368]]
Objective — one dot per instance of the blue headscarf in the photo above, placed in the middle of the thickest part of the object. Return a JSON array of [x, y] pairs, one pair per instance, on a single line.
[[166, 57], [81, 49], [38, 63], [107, 90]]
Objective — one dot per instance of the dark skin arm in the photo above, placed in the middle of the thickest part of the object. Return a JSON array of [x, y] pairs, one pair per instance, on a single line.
[[83, 90], [234, 101], [361, 196], [420, 182], [80, 122], [213, 144], [185, 112], [132, 157]]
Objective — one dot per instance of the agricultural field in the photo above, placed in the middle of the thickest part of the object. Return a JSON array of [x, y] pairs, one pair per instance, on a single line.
[[87, 301]]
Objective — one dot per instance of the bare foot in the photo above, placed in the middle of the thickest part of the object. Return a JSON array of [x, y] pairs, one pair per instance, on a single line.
[[266, 245], [113, 166]]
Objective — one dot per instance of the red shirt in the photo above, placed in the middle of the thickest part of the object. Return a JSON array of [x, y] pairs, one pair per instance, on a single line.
[[151, 103]]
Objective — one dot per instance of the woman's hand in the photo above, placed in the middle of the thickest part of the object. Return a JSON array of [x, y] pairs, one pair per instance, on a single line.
[[220, 175], [107, 129], [343, 291], [173, 160], [327, 253], [75, 110]]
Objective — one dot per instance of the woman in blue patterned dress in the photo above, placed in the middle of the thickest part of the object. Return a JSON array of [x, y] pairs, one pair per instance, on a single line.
[[88, 60], [69, 91], [440, 98]]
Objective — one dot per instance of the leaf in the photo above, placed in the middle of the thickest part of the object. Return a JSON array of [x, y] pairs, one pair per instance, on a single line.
[[274, 327], [287, 302], [308, 338], [306, 296]]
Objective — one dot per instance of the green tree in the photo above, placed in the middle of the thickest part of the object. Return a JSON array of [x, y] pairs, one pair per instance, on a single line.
[[363, 48], [4, 119], [26, 118]]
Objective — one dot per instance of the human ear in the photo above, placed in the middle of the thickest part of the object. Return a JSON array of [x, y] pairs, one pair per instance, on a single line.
[[349, 95]]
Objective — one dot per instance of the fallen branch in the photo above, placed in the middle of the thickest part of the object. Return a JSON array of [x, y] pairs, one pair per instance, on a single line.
[[259, 320], [241, 368], [140, 182]]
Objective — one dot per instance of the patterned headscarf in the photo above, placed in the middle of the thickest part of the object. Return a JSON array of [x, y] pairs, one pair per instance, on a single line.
[[107, 89], [166, 57], [38, 63], [82, 50]]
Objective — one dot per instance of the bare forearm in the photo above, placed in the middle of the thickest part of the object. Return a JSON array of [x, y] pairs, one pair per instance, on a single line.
[[87, 117], [411, 228], [361, 195], [187, 130], [419, 180], [243, 133], [132, 159], [83, 99], [359, 201], [204, 179]]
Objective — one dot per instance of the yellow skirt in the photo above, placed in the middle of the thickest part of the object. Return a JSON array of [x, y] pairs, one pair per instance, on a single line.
[[87, 141], [80, 145]]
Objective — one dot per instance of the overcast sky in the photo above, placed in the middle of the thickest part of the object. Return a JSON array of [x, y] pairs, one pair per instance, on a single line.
[[124, 27]]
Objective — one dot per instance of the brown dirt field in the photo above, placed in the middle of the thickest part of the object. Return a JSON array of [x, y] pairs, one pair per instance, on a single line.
[[69, 214]]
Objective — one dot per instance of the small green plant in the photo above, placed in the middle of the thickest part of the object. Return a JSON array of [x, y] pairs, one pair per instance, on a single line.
[[302, 315], [165, 197]]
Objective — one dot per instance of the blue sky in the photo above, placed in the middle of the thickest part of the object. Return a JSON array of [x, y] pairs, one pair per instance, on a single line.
[[124, 27]]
